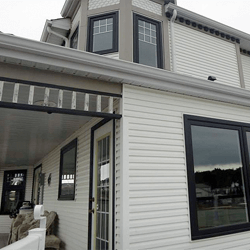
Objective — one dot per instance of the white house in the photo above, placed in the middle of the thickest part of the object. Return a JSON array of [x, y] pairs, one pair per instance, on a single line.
[[118, 115]]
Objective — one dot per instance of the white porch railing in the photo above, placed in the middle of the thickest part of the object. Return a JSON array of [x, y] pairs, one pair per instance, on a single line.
[[36, 238]]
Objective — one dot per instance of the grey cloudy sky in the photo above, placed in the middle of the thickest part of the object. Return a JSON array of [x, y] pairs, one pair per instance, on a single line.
[[215, 148], [26, 18]]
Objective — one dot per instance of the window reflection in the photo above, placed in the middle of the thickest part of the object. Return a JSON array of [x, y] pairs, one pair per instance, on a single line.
[[102, 209], [74, 39], [68, 171], [103, 35], [147, 43], [220, 193], [68, 177], [15, 179]]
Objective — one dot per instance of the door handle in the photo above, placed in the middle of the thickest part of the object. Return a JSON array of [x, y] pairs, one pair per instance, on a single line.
[[92, 199], [91, 211]]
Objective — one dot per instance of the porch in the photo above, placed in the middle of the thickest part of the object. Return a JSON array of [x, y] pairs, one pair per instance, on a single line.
[[37, 121], [3, 240]]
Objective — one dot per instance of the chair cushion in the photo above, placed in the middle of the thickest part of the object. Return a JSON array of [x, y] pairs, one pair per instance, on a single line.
[[52, 241]]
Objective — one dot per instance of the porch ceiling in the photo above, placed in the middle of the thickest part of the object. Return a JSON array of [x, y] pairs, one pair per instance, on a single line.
[[28, 136]]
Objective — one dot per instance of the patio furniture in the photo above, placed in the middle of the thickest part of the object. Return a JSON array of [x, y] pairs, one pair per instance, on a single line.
[[25, 222]]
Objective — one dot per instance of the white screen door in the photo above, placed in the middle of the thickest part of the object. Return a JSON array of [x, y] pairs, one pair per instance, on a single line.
[[102, 189]]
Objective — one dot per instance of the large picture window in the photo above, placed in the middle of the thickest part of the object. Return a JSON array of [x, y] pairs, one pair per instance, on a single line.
[[68, 172], [147, 41], [13, 194], [103, 34], [218, 170]]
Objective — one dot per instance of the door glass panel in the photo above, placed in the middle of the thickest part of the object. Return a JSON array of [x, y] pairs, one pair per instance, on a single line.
[[102, 189], [220, 191], [15, 179], [13, 191], [13, 200]]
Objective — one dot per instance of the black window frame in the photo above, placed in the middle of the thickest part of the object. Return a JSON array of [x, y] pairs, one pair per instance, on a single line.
[[158, 24], [13, 187], [76, 33], [91, 20], [65, 149], [242, 128], [33, 182]]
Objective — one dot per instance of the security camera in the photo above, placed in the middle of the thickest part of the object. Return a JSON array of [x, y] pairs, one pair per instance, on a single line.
[[212, 78]]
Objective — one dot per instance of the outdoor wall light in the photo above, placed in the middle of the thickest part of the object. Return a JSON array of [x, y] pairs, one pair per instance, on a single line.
[[49, 179], [212, 78]]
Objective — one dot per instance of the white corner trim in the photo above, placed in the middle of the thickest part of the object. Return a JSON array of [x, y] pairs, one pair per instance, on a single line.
[[124, 72], [69, 8]]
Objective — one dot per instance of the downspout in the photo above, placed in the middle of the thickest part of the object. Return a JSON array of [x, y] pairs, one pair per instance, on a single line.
[[56, 34], [173, 40]]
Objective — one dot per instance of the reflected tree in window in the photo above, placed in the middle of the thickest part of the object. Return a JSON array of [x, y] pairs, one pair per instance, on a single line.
[[220, 192]]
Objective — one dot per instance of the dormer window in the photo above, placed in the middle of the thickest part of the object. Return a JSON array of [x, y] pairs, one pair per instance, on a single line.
[[103, 34], [74, 39], [147, 41]]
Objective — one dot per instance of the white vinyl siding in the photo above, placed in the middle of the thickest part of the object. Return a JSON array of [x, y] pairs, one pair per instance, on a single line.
[[95, 4], [201, 55], [75, 24], [246, 70], [158, 192], [5, 221], [148, 5], [73, 215]]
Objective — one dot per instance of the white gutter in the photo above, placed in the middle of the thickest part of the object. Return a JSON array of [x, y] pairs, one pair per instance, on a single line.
[[119, 71], [56, 34], [173, 39]]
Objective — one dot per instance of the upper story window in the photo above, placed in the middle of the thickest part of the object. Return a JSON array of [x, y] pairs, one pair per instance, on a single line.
[[103, 34], [74, 39], [13, 193], [147, 41], [68, 172], [218, 176]]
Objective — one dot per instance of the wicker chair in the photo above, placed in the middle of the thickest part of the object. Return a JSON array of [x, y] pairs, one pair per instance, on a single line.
[[25, 222], [16, 223]]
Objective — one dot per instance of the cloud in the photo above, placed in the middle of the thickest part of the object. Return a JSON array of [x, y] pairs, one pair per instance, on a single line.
[[215, 146]]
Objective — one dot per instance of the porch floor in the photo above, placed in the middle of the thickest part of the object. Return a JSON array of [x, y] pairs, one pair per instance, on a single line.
[[3, 240]]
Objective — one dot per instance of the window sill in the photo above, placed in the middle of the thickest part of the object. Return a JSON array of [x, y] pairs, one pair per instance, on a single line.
[[222, 232], [66, 199]]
